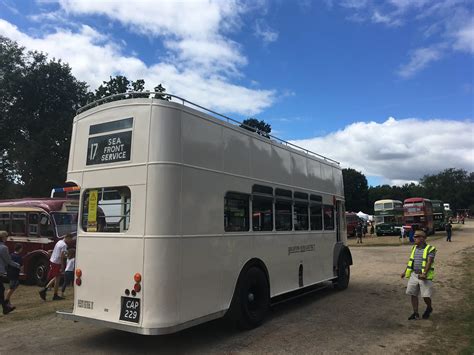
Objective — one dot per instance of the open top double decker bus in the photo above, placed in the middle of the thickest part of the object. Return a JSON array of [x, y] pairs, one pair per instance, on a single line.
[[211, 219], [388, 216], [418, 212], [439, 218], [37, 224]]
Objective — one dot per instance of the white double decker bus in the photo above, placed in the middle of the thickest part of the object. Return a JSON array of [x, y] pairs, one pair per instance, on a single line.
[[186, 217]]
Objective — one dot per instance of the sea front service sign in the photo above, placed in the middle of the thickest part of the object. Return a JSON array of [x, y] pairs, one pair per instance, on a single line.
[[110, 148]]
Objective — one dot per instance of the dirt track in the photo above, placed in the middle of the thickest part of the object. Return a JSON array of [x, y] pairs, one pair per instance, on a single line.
[[369, 317]]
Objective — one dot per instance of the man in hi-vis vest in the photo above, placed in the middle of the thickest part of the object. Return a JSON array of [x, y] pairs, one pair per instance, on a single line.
[[420, 272]]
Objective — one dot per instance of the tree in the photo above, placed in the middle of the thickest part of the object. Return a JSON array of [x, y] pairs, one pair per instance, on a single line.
[[38, 101], [356, 190], [39, 98], [455, 186], [260, 127], [121, 85]]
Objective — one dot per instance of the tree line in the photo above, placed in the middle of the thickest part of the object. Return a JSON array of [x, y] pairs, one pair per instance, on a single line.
[[453, 186], [39, 98]]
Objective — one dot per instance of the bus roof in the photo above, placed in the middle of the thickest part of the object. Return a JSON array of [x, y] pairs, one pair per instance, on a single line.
[[177, 100], [46, 204], [416, 199], [387, 201]]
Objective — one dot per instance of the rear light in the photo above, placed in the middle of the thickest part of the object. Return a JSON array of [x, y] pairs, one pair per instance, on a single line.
[[137, 288], [78, 277], [137, 277]]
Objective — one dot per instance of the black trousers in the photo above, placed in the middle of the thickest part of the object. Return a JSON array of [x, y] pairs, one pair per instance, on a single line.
[[2, 293]]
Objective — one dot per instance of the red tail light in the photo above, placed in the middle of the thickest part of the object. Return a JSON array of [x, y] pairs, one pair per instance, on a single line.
[[78, 273], [137, 277], [137, 288], [78, 282]]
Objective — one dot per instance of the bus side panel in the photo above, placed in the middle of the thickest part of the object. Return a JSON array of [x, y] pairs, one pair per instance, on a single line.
[[108, 265], [201, 142], [300, 174], [165, 144], [202, 253], [236, 152], [163, 206], [161, 283], [315, 269]]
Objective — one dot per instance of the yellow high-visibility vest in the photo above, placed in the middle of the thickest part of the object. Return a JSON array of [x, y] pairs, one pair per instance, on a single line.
[[430, 274]]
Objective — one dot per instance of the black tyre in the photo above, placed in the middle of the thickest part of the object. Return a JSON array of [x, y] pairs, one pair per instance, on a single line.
[[38, 273], [251, 300], [343, 273]]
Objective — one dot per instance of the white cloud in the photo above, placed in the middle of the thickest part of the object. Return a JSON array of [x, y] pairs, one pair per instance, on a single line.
[[446, 24], [399, 151], [465, 38], [199, 64], [419, 59], [264, 32], [377, 17]]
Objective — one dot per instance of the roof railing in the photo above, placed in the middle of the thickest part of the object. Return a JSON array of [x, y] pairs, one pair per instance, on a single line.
[[170, 97]]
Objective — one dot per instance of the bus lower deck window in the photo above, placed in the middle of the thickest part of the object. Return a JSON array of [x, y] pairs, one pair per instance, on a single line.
[[236, 212], [262, 214], [106, 209]]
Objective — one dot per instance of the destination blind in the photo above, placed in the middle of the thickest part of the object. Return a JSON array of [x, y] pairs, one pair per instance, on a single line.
[[110, 148]]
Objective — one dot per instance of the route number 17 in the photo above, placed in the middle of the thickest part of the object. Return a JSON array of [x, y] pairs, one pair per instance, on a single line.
[[93, 152]]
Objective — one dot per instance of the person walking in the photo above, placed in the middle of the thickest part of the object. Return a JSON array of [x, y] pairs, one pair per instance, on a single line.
[[449, 229], [359, 233], [5, 260], [402, 234], [13, 273], [420, 272], [56, 266], [69, 271], [411, 233]]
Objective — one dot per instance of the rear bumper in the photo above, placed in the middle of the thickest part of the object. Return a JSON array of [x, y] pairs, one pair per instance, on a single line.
[[138, 329]]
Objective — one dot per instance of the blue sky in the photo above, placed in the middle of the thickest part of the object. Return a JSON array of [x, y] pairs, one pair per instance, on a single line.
[[385, 87]]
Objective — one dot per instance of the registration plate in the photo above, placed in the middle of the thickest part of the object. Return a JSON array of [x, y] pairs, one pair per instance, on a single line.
[[130, 309]]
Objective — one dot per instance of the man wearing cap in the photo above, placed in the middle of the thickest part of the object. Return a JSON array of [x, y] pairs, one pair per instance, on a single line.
[[420, 272]]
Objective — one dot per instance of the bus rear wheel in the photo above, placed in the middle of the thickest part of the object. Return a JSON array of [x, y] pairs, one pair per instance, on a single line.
[[343, 273], [38, 274], [251, 299]]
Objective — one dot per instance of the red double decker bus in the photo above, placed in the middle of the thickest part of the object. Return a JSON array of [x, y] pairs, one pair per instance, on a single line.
[[418, 212], [37, 224], [352, 220]]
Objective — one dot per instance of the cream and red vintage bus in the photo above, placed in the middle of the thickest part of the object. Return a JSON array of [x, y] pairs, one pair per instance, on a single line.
[[37, 224], [210, 219]]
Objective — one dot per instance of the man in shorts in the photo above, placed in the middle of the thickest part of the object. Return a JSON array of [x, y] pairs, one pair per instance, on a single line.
[[420, 272], [56, 267]]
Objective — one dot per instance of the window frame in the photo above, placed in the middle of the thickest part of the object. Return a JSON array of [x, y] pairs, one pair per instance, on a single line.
[[8, 219], [333, 217], [25, 223], [125, 209], [285, 202], [267, 198], [321, 219], [230, 195]]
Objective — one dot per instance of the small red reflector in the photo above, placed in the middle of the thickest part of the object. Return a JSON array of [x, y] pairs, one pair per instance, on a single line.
[[78, 272], [78, 282], [137, 277], [137, 287]]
